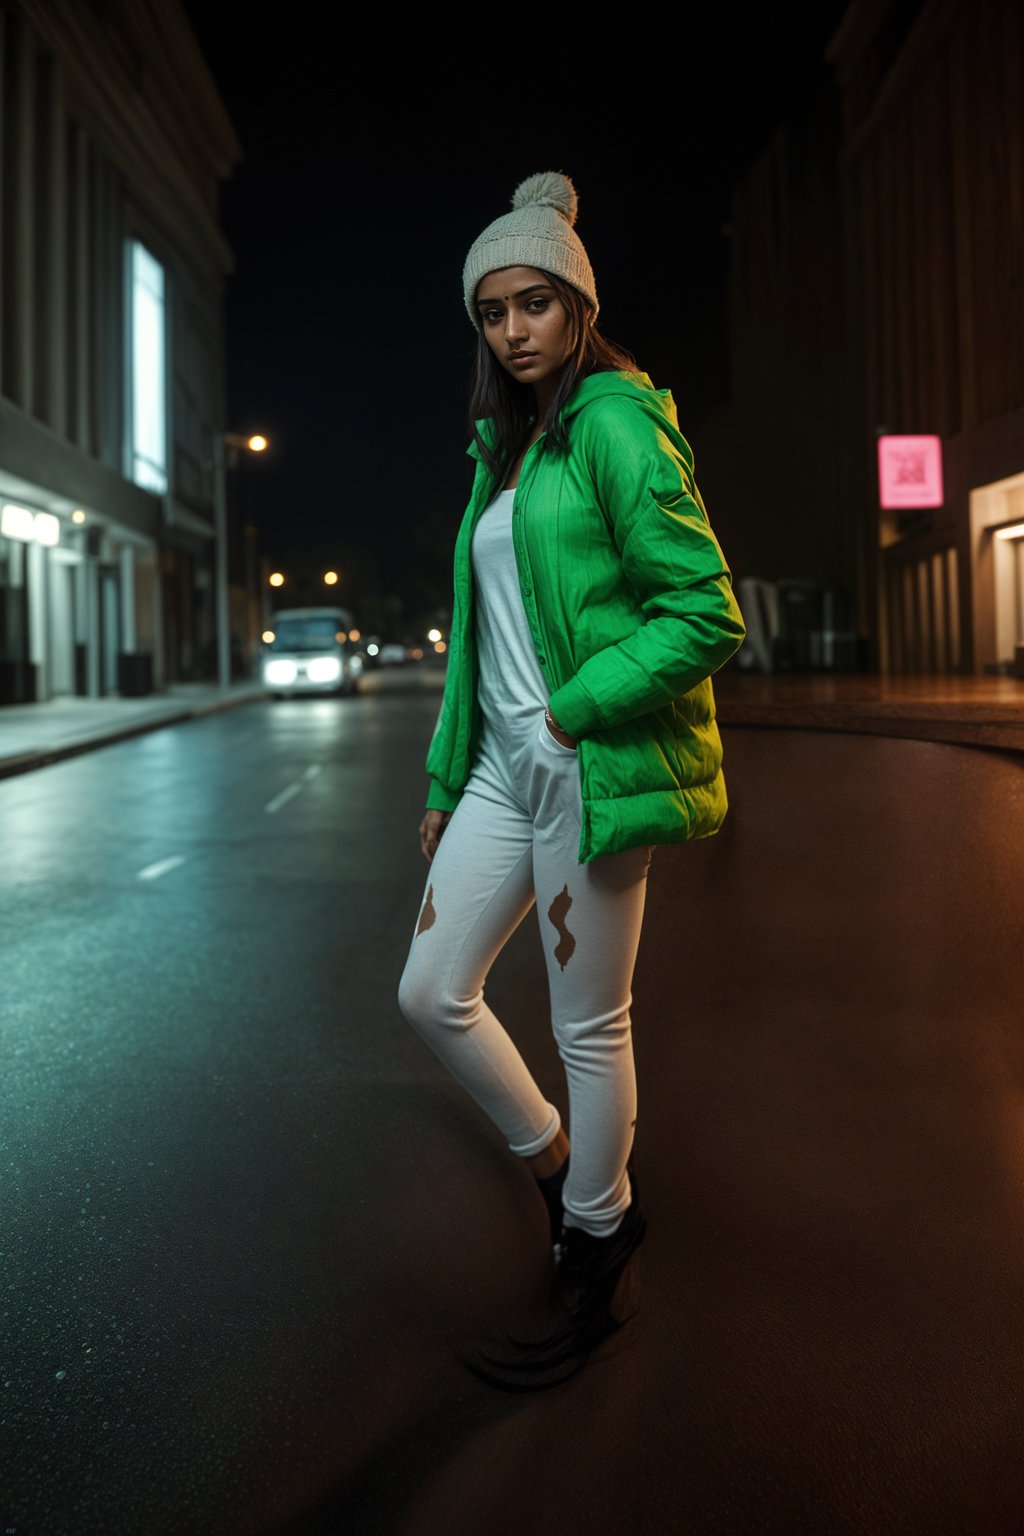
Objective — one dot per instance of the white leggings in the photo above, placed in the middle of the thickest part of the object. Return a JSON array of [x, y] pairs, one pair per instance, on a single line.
[[513, 840]]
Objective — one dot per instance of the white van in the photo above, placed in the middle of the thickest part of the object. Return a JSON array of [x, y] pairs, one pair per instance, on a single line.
[[309, 651]]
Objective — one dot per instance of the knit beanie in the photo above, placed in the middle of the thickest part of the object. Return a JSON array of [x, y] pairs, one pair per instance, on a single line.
[[537, 233]]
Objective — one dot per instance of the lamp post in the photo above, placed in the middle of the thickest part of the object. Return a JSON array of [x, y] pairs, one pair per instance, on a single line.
[[222, 441]]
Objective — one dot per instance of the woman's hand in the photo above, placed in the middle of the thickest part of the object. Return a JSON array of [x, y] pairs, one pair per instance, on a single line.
[[556, 730], [431, 831]]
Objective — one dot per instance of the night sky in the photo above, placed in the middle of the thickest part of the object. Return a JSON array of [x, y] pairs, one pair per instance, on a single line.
[[369, 169]]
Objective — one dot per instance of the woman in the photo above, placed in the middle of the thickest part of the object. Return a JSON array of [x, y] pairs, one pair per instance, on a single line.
[[577, 732]]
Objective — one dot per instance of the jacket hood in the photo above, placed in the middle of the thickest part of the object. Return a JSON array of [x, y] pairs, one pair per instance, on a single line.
[[597, 386], [637, 386]]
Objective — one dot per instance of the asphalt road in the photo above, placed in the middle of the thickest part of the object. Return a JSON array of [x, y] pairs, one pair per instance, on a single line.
[[248, 1222]]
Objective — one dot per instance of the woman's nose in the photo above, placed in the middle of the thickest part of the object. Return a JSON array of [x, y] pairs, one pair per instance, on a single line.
[[515, 330]]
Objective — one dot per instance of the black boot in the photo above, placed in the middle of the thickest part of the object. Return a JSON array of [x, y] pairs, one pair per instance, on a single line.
[[551, 1188], [588, 1275], [593, 1265]]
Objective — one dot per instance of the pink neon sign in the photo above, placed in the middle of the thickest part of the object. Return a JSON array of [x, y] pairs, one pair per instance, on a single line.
[[910, 471]]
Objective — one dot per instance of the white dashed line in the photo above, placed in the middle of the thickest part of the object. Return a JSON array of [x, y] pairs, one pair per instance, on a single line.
[[287, 794], [312, 771], [154, 871]]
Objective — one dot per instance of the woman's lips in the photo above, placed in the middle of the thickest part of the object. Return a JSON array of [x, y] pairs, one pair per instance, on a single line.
[[520, 359]]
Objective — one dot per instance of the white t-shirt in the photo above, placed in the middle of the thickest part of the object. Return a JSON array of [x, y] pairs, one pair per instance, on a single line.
[[511, 685]]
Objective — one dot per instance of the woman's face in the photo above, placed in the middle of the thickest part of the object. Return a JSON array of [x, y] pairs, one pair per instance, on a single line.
[[524, 323]]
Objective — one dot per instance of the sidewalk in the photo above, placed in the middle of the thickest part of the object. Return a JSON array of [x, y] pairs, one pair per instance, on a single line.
[[965, 711], [958, 710], [32, 735]]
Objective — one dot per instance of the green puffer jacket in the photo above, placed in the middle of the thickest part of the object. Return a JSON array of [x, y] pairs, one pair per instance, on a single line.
[[631, 609]]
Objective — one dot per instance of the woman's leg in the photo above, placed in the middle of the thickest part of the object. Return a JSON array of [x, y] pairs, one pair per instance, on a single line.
[[478, 890], [590, 918]]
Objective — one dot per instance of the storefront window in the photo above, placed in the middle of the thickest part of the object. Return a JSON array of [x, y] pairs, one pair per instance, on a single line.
[[13, 623]]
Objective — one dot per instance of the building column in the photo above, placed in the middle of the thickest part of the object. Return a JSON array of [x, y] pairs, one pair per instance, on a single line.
[[107, 335], [18, 318], [159, 664], [93, 660], [38, 616], [81, 579], [79, 240], [129, 642], [50, 324]]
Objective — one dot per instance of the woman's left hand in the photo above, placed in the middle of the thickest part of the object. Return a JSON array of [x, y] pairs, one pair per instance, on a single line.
[[557, 732]]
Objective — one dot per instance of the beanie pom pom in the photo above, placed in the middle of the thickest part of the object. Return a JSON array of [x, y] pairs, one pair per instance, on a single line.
[[548, 189]]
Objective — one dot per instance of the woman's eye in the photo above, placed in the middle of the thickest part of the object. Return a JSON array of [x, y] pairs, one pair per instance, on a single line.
[[539, 303], [490, 315]]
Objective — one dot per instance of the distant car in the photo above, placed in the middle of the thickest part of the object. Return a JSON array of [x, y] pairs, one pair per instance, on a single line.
[[392, 655], [309, 651]]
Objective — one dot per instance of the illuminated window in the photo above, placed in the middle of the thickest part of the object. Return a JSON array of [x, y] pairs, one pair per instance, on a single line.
[[147, 399]]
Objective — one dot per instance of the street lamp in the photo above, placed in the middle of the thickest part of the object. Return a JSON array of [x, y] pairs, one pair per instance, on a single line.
[[233, 441]]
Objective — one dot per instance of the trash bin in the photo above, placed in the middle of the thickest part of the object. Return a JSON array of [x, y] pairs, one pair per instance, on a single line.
[[797, 644], [17, 682], [134, 674], [816, 630], [840, 643]]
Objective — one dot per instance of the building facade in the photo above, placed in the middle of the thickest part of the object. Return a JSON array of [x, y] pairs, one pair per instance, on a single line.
[[932, 179], [877, 287], [113, 145]]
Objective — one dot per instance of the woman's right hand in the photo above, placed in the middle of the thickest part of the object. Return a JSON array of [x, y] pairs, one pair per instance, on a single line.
[[431, 831]]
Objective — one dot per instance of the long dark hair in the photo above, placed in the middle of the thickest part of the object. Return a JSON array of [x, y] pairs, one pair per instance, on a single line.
[[513, 405]]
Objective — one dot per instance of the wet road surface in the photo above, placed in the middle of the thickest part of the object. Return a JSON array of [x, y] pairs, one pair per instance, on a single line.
[[248, 1222]]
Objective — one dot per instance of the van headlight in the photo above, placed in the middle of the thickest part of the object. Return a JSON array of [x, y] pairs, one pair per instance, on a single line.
[[279, 673], [324, 669]]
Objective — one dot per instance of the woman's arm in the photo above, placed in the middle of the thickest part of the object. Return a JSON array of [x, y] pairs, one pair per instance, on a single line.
[[692, 623], [438, 797]]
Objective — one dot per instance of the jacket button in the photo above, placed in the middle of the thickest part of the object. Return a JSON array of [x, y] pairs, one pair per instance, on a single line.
[[543, 660], [527, 591]]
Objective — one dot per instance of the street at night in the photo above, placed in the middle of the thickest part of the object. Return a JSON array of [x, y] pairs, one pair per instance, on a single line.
[[585, 451], [251, 1224]]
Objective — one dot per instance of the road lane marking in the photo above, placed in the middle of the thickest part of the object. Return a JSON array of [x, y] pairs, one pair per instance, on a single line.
[[164, 867], [287, 794], [312, 771]]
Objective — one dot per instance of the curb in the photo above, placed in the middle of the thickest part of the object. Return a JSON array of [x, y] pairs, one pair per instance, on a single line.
[[25, 762]]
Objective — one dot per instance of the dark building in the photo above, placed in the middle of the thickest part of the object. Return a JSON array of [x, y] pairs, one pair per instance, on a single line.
[[113, 145], [877, 286]]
